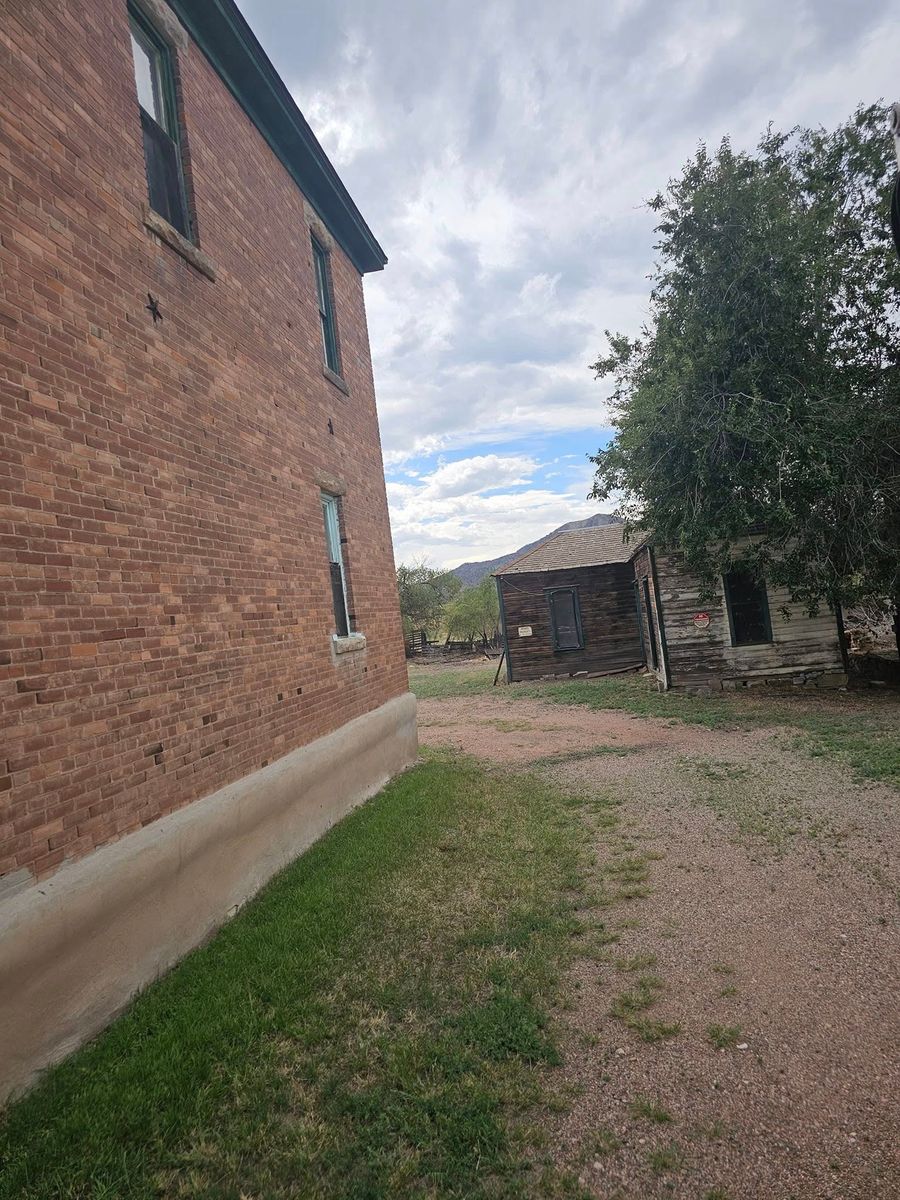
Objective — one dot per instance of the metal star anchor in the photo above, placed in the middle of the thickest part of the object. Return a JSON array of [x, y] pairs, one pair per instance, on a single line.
[[153, 308]]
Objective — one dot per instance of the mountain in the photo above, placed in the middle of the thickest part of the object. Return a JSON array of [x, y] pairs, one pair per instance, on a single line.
[[473, 572]]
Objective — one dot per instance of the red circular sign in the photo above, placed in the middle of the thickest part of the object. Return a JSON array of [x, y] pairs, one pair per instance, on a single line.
[[701, 620]]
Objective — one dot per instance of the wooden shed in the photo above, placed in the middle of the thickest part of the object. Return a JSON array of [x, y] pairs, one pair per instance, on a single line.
[[749, 633], [568, 607]]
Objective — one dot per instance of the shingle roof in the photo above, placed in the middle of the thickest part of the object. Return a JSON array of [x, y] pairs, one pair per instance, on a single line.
[[575, 548]]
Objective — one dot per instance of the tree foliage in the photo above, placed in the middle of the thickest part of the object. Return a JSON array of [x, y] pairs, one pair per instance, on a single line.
[[764, 393], [424, 594], [475, 613]]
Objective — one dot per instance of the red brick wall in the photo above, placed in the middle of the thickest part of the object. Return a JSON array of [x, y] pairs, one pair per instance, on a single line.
[[166, 614]]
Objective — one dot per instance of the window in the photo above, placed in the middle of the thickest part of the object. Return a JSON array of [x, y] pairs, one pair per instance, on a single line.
[[326, 308], [748, 609], [336, 563], [155, 81], [565, 619]]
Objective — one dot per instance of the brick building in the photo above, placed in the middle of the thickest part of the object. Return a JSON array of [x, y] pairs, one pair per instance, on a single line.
[[201, 659]]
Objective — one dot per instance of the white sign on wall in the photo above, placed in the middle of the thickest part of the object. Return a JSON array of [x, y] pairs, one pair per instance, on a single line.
[[524, 631]]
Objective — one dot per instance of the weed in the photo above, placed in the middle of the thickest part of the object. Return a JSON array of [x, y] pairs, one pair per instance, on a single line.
[[650, 1030], [638, 1000], [631, 1006], [638, 962], [629, 869], [666, 1158], [634, 891], [604, 1142], [723, 1037], [714, 1131], [641, 1107], [596, 946]]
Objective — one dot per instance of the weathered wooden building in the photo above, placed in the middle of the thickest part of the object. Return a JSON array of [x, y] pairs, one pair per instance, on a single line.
[[585, 602], [750, 633], [568, 606]]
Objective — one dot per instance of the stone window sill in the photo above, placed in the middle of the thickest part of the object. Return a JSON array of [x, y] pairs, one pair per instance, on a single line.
[[349, 644], [336, 380], [188, 251]]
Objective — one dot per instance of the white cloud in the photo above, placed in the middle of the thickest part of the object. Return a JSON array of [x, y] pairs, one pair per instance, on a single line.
[[481, 526], [465, 510], [502, 153], [482, 473]]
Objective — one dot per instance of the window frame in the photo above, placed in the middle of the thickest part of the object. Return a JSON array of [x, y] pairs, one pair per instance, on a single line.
[[331, 353], [331, 515], [728, 589], [142, 30], [550, 593]]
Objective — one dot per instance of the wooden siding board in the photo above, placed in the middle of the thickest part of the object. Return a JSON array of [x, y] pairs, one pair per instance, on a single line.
[[642, 571], [800, 643], [609, 620]]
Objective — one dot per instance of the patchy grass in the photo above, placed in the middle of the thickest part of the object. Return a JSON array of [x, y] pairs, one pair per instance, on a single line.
[[861, 729], [646, 1110], [666, 1158], [628, 1004], [567, 756], [714, 1131], [428, 683], [652, 1030], [630, 1007], [373, 1025], [637, 962], [723, 1037], [505, 726], [868, 741], [755, 806], [603, 1143]]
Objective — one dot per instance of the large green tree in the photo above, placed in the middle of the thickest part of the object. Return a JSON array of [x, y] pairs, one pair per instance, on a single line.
[[425, 593], [475, 613], [764, 392]]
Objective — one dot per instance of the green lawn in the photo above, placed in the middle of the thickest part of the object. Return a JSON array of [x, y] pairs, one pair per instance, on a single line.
[[379, 1021], [861, 728], [374, 1024]]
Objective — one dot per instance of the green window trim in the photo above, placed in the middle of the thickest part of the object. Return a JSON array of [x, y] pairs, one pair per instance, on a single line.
[[326, 308], [332, 518], [154, 76], [747, 605], [565, 619]]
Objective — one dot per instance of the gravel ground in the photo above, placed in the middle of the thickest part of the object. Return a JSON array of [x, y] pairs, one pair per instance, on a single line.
[[769, 910]]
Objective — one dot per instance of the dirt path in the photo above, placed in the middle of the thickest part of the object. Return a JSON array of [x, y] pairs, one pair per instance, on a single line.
[[754, 904]]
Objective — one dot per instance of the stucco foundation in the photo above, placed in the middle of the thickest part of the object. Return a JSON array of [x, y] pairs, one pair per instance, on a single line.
[[76, 948]]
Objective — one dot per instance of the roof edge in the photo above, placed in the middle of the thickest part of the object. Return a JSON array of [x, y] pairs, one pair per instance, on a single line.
[[234, 52], [641, 542], [534, 549]]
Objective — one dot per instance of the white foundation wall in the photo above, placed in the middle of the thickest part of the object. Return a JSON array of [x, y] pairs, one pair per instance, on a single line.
[[75, 948]]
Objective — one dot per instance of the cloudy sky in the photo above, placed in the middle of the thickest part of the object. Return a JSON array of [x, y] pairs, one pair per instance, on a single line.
[[502, 152]]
